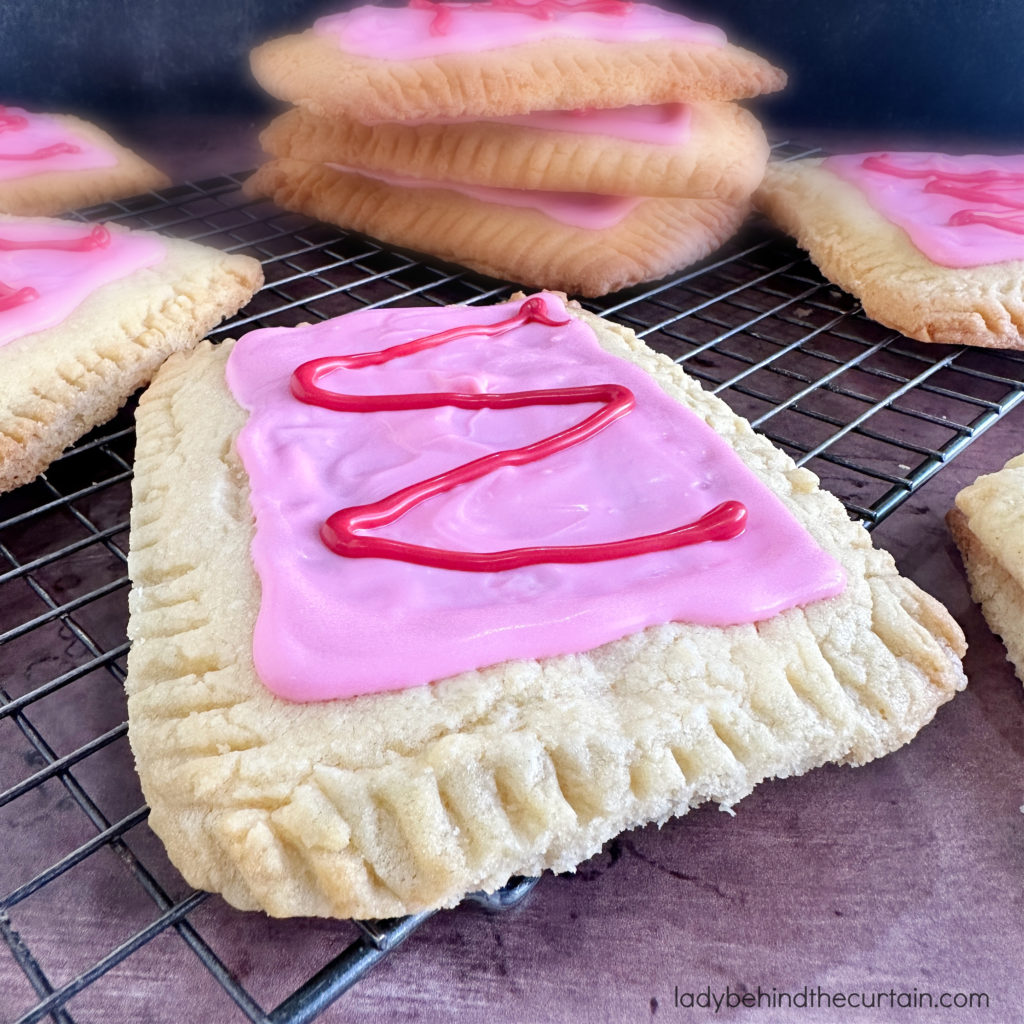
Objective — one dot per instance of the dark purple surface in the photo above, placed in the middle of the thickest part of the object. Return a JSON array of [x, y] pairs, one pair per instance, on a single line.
[[903, 875]]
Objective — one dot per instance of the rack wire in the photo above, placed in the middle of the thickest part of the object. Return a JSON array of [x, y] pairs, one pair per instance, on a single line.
[[88, 892]]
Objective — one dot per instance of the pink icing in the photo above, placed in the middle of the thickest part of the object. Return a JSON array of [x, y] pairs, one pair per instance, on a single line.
[[661, 124], [24, 133], [404, 33], [62, 279], [335, 627], [955, 231], [577, 209]]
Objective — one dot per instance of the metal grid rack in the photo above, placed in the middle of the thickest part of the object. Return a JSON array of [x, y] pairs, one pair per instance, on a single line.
[[874, 415]]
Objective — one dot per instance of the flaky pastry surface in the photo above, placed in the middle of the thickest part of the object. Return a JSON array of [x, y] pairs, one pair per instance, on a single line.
[[57, 384], [312, 71], [723, 158], [987, 524], [390, 803], [53, 192], [873, 259], [513, 243]]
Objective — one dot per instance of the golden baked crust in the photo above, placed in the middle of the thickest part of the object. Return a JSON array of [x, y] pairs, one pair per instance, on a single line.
[[391, 803], [57, 384], [724, 157], [314, 72], [517, 244], [873, 259], [43, 195], [987, 524]]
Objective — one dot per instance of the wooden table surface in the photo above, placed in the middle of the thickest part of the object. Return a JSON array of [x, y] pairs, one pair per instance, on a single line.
[[903, 876]]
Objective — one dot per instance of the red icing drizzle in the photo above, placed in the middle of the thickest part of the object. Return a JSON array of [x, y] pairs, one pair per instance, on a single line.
[[98, 238], [44, 153], [11, 297], [543, 10], [12, 122], [1005, 221], [994, 188], [723, 522]]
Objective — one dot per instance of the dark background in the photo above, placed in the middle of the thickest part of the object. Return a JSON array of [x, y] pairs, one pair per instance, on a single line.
[[931, 71]]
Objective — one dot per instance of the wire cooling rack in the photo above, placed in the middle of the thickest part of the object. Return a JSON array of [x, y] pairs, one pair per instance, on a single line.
[[93, 914]]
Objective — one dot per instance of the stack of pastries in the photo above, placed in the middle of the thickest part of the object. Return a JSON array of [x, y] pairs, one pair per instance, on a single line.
[[582, 145]]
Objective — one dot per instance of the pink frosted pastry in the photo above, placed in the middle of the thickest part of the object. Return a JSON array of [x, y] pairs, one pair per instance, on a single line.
[[692, 150], [50, 163], [580, 243], [932, 244], [497, 556], [486, 59], [87, 314]]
